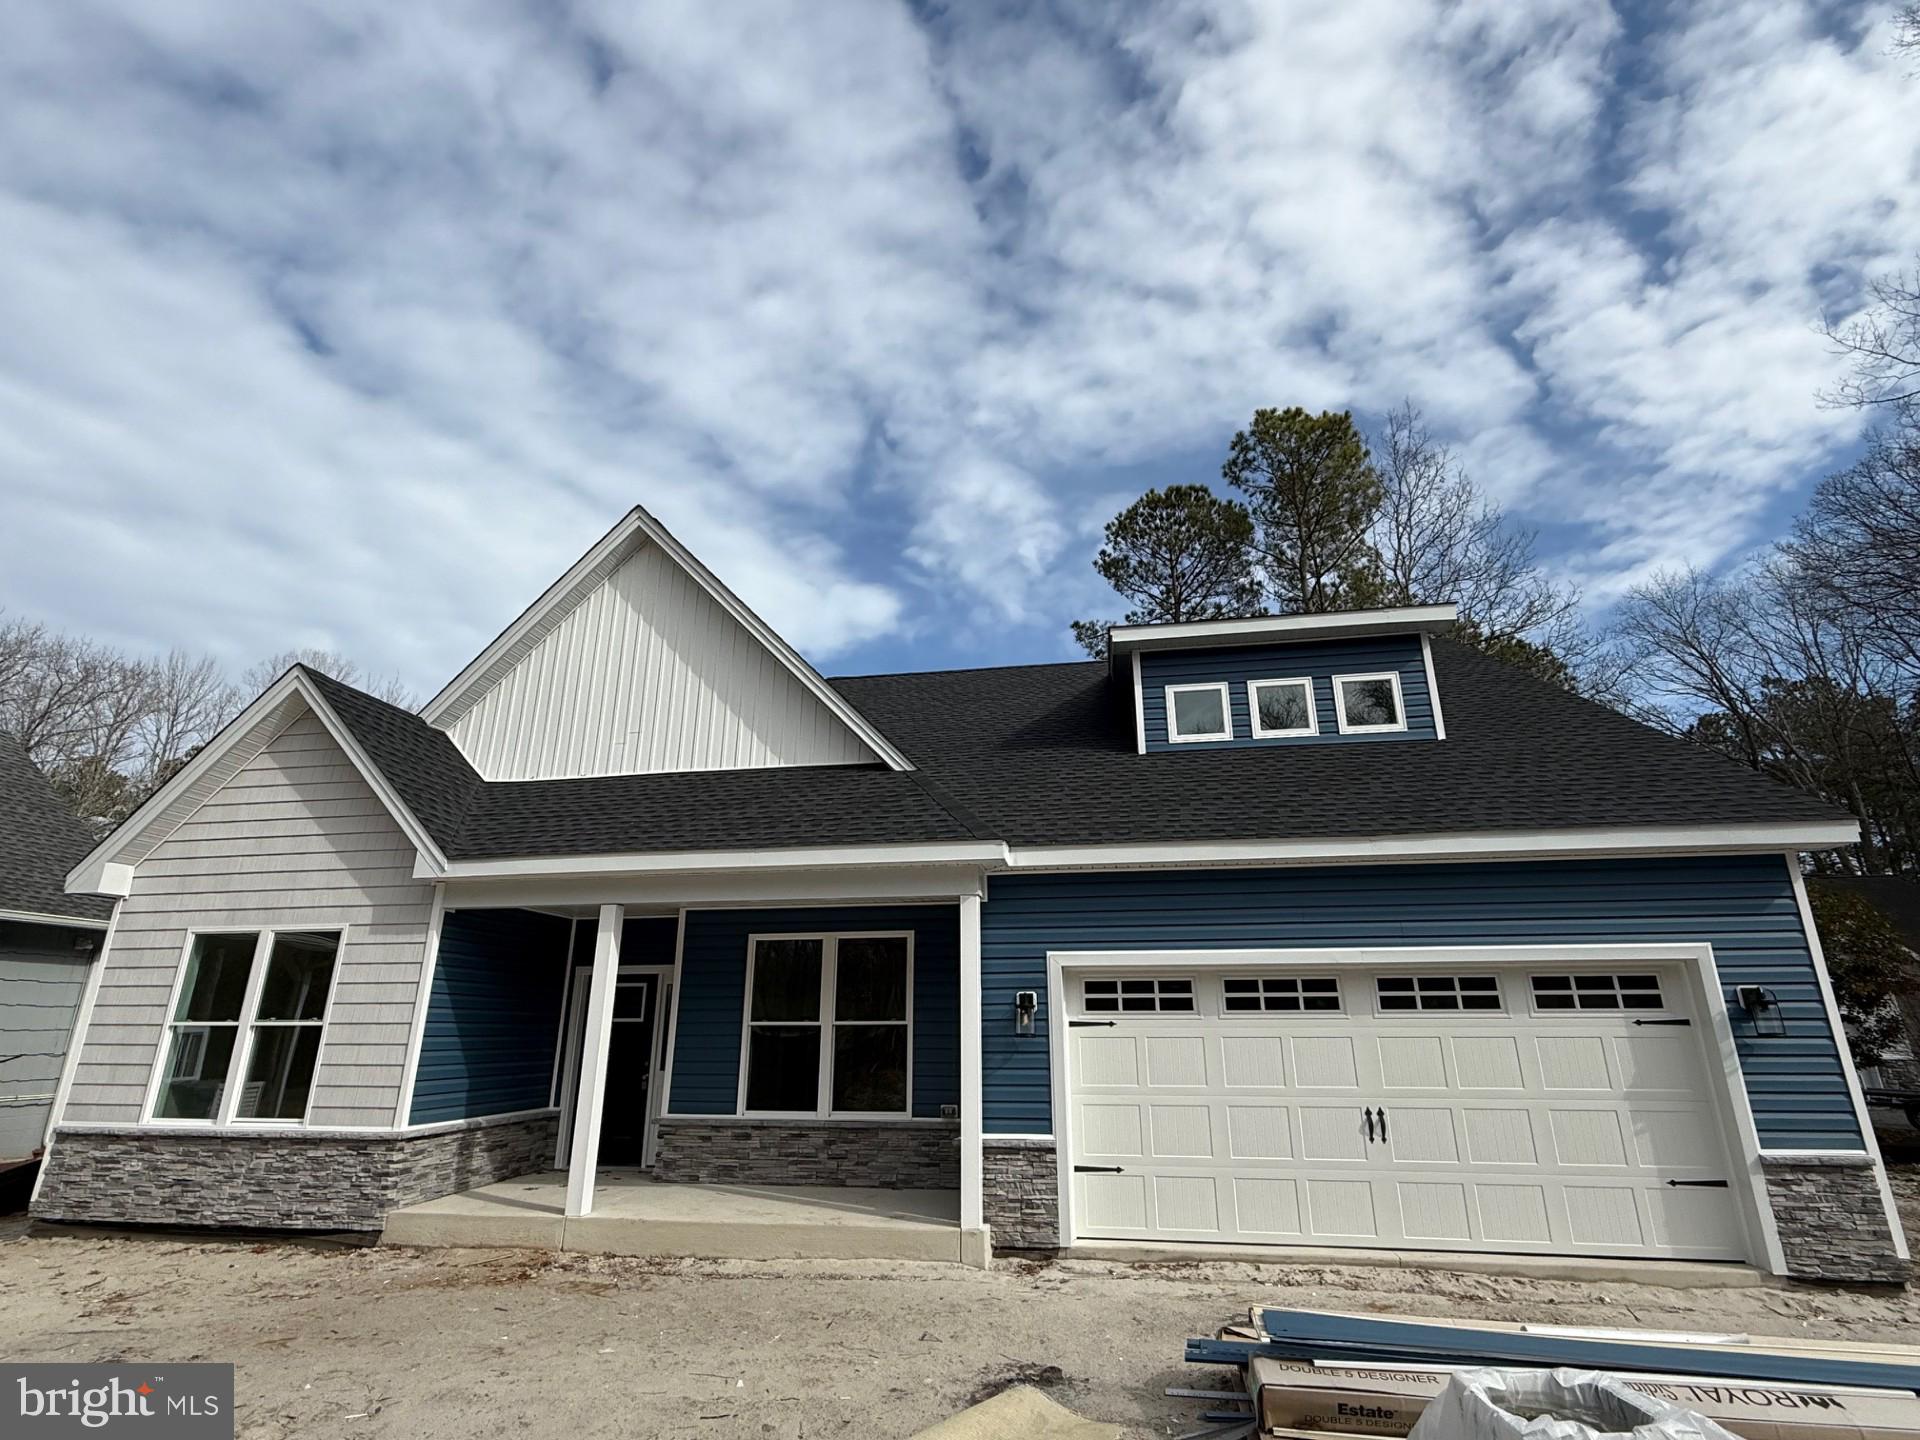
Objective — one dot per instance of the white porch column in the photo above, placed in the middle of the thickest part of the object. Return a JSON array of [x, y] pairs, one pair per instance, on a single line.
[[590, 1096], [971, 1115]]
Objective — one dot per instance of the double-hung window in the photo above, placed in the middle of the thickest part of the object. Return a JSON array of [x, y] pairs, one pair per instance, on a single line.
[[253, 1004], [829, 1026]]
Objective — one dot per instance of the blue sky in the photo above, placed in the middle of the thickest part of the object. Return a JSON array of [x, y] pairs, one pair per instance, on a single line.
[[352, 324]]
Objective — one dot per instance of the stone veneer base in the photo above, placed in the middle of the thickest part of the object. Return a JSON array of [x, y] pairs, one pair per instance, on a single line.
[[1020, 1181], [821, 1152], [1832, 1219], [281, 1180]]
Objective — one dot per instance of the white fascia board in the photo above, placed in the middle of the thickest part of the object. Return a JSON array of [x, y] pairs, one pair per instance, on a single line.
[[874, 884], [1488, 845], [698, 862], [65, 922], [103, 872], [465, 688], [1337, 625]]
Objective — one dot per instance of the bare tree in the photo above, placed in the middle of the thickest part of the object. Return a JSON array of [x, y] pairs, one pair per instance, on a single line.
[[389, 688], [1440, 539], [1858, 544], [188, 700], [1761, 667], [1882, 340], [64, 697]]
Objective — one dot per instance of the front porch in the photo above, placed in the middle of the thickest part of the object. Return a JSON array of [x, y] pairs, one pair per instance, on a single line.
[[634, 1214], [767, 1078]]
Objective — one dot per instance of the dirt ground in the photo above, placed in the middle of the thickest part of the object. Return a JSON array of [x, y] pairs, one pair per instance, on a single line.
[[333, 1341]]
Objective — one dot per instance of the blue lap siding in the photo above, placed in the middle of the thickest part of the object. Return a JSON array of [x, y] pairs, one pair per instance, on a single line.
[[1743, 906], [713, 978], [493, 1015], [1318, 660]]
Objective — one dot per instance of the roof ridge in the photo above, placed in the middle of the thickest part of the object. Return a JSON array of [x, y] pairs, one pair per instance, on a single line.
[[968, 670]]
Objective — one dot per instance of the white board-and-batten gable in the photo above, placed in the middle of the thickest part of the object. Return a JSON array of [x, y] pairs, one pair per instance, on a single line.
[[639, 661]]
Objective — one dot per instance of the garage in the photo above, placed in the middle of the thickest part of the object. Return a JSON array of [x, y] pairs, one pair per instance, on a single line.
[[1545, 1108]]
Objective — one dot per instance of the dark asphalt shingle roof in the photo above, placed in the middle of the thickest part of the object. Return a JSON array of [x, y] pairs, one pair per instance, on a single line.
[[471, 818], [1044, 755], [40, 841]]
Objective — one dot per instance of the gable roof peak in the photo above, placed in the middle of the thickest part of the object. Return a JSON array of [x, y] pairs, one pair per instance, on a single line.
[[636, 532]]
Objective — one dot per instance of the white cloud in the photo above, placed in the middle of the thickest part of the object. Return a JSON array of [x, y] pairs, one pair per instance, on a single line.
[[353, 324]]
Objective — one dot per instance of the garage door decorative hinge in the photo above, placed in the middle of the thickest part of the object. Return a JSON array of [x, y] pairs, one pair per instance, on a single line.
[[1098, 1170], [1698, 1184], [1676, 1020], [1076, 1024]]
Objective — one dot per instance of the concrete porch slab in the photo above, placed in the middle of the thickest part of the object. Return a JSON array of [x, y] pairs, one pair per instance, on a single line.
[[636, 1215]]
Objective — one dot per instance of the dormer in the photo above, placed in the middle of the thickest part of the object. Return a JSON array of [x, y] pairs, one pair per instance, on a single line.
[[1352, 676]]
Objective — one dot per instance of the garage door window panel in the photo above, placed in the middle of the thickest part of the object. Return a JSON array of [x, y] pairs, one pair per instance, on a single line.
[[1412, 994], [1287, 994], [1137, 995], [1589, 992]]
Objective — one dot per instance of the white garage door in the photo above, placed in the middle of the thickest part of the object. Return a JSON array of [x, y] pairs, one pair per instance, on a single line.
[[1546, 1109]]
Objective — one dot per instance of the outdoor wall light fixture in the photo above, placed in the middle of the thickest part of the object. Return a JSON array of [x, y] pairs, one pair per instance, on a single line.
[[1762, 1009], [1025, 1004]]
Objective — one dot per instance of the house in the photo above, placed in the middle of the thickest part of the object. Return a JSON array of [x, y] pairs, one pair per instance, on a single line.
[[47, 939], [1296, 931]]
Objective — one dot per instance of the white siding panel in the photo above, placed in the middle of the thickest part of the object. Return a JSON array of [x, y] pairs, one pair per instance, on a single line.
[[649, 673], [293, 838]]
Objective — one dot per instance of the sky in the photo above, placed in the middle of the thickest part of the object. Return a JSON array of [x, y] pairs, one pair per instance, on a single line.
[[352, 325]]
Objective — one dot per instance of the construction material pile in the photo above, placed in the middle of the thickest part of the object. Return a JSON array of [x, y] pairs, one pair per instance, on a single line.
[[1314, 1375]]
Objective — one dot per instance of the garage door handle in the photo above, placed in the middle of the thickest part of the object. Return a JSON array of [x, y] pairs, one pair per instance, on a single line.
[[1698, 1184], [1098, 1170], [1369, 1124], [1383, 1123]]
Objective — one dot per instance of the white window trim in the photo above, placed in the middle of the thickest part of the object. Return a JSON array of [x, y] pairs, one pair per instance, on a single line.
[[1340, 706], [1312, 726], [1174, 737], [829, 978], [228, 1118]]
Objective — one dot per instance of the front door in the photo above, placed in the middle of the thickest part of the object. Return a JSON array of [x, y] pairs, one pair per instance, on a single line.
[[628, 1108], [636, 1053]]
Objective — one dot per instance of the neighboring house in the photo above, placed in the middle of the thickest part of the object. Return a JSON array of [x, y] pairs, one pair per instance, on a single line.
[[1314, 930], [47, 940]]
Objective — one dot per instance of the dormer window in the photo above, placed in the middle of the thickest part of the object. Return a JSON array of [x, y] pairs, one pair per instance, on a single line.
[[1198, 712], [1281, 708], [1368, 704]]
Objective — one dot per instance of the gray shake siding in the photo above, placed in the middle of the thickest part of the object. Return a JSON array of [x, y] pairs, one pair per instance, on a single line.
[[295, 838]]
